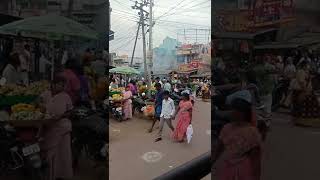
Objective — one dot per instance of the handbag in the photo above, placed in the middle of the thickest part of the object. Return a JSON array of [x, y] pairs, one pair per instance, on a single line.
[[189, 133]]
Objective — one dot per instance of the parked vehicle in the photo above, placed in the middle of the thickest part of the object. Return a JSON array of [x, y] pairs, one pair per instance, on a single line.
[[20, 152], [89, 135]]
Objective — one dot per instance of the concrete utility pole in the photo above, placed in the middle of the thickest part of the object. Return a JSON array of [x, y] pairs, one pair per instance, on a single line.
[[150, 36], [135, 44], [142, 23]]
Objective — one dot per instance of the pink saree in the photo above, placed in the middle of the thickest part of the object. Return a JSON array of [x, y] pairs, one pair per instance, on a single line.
[[184, 119], [127, 105], [57, 139], [241, 159]]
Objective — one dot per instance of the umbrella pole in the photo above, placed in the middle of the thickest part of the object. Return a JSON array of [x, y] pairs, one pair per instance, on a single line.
[[52, 62]]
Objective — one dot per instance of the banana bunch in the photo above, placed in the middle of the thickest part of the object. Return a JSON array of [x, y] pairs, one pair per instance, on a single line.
[[120, 89], [23, 108], [12, 90], [33, 89], [25, 115], [117, 97]]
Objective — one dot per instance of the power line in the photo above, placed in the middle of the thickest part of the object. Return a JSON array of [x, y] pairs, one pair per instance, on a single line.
[[123, 4], [189, 9], [174, 7]]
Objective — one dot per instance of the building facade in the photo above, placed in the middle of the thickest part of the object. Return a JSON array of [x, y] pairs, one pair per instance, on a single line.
[[92, 13]]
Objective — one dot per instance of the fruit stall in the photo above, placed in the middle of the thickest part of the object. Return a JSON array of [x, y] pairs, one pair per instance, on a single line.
[[19, 104]]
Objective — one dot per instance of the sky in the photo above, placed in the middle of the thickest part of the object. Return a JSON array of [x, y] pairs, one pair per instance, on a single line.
[[173, 18]]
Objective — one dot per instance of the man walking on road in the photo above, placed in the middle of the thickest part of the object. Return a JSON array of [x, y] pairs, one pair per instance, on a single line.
[[158, 105], [264, 72], [167, 113]]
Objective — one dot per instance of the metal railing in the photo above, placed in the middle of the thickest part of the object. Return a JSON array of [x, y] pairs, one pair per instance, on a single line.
[[195, 169]]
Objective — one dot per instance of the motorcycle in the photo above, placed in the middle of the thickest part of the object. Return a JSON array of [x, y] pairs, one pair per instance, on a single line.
[[138, 103], [90, 129], [20, 151]]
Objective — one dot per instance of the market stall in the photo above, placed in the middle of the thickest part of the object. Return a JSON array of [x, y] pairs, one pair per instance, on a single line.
[[21, 104], [141, 102]]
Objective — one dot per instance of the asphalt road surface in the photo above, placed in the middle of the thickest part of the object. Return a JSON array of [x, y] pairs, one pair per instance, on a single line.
[[135, 155], [291, 152]]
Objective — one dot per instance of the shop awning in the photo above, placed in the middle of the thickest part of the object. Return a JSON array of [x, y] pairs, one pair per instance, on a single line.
[[206, 74], [303, 40], [187, 72], [277, 46]]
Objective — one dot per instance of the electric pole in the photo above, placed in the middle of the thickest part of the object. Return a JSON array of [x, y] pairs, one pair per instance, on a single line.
[[150, 36], [142, 23], [135, 44]]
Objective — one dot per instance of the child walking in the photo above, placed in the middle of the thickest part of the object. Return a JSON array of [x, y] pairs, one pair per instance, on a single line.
[[167, 113]]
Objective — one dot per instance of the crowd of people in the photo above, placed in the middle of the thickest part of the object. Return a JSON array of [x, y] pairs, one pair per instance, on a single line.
[[239, 145], [164, 106], [77, 81]]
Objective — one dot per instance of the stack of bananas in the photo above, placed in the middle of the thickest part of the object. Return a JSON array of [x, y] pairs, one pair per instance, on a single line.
[[117, 97], [25, 112], [120, 89], [33, 89], [23, 107]]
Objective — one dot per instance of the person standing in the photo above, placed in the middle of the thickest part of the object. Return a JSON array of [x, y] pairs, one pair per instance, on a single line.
[[72, 81], [238, 154], [56, 131], [184, 116], [264, 73], [167, 86], [167, 113], [25, 60], [158, 105], [127, 103], [10, 72], [99, 65]]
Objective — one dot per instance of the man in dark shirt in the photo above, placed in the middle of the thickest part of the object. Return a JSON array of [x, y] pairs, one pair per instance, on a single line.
[[157, 105]]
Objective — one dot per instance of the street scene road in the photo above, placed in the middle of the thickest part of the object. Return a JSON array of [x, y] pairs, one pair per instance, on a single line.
[[135, 155], [291, 152]]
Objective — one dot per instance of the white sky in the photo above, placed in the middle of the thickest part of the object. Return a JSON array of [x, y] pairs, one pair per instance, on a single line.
[[177, 15]]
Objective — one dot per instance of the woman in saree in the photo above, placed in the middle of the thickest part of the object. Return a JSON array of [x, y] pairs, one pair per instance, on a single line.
[[238, 154], [305, 103], [184, 116], [56, 132], [127, 103]]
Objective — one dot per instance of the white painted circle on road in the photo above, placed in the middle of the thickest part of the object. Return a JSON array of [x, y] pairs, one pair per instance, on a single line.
[[152, 157]]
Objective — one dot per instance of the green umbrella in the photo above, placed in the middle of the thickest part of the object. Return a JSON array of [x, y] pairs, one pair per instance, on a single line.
[[49, 27], [124, 70]]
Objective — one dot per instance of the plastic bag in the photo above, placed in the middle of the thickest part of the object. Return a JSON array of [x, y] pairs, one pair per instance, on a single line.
[[189, 133]]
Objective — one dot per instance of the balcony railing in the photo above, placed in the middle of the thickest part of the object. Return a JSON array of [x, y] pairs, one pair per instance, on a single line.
[[195, 169]]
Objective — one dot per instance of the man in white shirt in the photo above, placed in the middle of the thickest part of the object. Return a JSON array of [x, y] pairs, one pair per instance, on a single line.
[[167, 86], [167, 113], [10, 72], [25, 60]]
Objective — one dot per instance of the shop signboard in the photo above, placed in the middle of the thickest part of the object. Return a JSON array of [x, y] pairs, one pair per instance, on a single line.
[[260, 13]]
